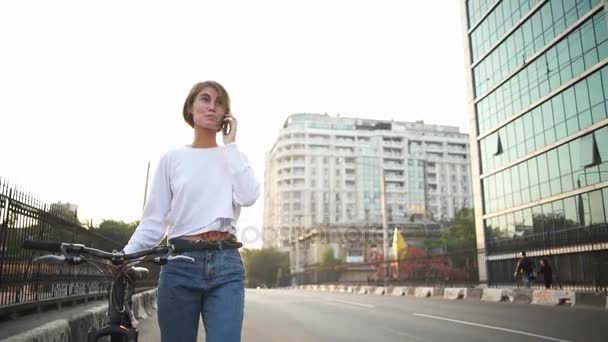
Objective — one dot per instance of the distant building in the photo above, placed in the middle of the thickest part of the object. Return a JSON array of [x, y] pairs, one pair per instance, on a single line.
[[325, 171], [67, 210]]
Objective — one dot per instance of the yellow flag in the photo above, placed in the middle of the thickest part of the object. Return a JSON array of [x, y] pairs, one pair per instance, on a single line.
[[399, 245]]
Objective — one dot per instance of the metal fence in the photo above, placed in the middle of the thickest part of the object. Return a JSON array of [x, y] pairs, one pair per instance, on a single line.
[[418, 268], [25, 284], [580, 270]]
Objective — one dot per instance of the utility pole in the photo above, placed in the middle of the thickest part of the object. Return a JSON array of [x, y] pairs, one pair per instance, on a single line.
[[146, 186], [384, 225]]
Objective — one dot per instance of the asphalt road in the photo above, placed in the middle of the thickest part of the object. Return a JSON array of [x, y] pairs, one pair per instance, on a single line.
[[306, 316]]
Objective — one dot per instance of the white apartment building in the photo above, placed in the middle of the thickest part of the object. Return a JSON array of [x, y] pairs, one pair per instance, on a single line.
[[326, 171]]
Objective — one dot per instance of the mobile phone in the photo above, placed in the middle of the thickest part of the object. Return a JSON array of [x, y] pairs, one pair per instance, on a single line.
[[226, 127]]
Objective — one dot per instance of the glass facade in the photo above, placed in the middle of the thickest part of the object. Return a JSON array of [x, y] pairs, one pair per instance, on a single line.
[[540, 92], [529, 38], [549, 225], [416, 190], [576, 108], [579, 51], [504, 16]]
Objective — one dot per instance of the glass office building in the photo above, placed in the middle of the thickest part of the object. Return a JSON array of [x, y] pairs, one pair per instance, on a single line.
[[538, 93]]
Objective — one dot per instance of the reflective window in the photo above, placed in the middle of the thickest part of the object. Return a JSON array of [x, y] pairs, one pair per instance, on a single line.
[[578, 163], [576, 108], [553, 224], [596, 204], [576, 53]]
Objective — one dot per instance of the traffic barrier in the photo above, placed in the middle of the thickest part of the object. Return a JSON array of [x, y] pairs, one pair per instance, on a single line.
[[399, 291], [553, 297], [424, 292], [366, 289], [341, 289], [454, 293], [520, 295], [380, 290], [473, 293], [591, 299], [352, 289], [494, 295], [438, 291]]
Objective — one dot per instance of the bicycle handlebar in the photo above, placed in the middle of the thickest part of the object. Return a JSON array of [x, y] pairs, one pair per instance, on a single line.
[[71, 248], [50, 246]]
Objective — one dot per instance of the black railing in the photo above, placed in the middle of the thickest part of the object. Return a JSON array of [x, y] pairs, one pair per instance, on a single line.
[[25, 284]]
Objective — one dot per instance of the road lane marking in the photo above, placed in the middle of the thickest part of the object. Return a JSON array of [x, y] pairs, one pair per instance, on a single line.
[[490, 327], [353, 303]]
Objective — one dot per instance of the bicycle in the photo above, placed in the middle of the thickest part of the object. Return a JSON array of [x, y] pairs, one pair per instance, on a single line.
[[121, 324]]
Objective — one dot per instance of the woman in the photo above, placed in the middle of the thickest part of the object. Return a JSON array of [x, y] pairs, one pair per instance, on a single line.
[[196, 196]]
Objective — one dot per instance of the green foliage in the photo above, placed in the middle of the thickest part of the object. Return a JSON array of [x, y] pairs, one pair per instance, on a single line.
[[460, 234], [119, 231], [328, 257], [263, 265]]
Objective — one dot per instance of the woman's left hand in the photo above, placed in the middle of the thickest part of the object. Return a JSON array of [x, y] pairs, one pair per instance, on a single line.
[[231, 136]]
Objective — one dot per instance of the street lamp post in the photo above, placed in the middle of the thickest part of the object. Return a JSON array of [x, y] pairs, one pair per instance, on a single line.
[[384, 224]]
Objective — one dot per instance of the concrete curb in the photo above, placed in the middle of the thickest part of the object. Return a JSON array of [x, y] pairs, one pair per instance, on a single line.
[[55, 331], [454, 293], [473, 293], [522, 295], [399, 291], [380, 290], [517, 295], [553, 297], [594, 300], [77, 327], [494, 295], [424, 292]]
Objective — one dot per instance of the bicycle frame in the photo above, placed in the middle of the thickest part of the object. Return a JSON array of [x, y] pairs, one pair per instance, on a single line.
[[119, 326]]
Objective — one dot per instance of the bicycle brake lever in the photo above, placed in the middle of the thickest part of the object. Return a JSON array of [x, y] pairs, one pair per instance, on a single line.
[[51, 257], [180, 257]]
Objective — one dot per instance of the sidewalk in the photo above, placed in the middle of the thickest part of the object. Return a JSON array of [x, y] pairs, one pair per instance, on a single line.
[[11, 327], [70, 324]]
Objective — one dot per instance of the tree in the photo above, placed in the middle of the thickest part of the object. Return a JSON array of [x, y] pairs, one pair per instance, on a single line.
[[119, 231], [461, 232], [328, 257], [262, 266]]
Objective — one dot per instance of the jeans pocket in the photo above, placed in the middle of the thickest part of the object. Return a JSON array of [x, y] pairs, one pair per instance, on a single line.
[[232, 261]]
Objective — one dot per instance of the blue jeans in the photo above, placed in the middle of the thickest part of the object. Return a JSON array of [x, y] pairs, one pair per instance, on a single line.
[[213, 287]]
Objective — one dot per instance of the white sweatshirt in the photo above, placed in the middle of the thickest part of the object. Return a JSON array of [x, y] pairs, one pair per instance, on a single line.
[[195, 190]]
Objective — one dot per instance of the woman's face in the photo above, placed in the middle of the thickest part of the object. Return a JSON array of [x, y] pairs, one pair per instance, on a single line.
[[208, 109]]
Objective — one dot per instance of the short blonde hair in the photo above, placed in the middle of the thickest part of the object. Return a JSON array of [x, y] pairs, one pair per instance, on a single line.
[[223, 94]]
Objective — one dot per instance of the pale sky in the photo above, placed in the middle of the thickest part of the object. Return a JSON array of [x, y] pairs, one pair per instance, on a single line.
[[92, 91]]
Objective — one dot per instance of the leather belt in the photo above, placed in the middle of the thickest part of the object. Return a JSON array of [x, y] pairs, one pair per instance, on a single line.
[[182, 245], [213, 235]]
